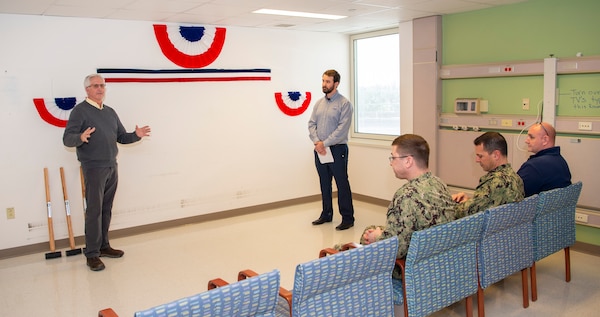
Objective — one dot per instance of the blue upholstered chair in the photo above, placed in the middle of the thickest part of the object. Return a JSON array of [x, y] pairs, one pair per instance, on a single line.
[[506, 246], [554, 227], [354, 283], [257, 296], [441, 266]]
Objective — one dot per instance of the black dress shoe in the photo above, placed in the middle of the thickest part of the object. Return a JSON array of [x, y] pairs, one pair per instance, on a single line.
[[344, 226], [95, 264], [320, 221], [111, 253]]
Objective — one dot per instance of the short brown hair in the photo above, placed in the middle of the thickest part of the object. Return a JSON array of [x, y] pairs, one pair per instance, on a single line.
[[333, 73], [415, 145], [492, 141]]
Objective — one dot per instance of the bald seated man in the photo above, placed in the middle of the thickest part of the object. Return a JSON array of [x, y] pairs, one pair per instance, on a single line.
[[546, 169]]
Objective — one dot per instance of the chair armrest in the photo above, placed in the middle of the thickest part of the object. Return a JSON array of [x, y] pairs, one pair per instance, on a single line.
[[107, 312], [327, 251], [242, 275], [330, 251], [216, 282], [287, 295], [401, 263], [348, 246]]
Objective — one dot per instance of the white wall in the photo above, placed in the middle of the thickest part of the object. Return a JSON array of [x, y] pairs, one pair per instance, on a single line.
[[214, 146]]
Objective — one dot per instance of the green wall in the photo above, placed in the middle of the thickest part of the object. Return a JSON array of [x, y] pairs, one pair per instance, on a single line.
[[587, 234], [528, 31], [532, 30]]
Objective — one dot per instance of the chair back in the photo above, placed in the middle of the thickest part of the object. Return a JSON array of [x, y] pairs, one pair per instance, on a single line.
[[506, 244], [554, 223], [256, 296], [357, 282], [441, 265]]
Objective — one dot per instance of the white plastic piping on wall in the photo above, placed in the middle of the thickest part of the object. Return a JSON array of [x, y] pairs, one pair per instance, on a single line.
[[550, 101]]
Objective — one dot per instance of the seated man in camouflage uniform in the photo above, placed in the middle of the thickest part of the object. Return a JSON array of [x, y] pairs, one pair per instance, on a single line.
[[501, 185], [422, 202]]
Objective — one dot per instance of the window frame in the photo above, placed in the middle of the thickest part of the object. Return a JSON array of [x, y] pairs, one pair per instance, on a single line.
[[361, 136]]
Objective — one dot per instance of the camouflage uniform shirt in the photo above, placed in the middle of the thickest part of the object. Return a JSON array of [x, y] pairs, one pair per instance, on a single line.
[[499, 186], [419, 204]]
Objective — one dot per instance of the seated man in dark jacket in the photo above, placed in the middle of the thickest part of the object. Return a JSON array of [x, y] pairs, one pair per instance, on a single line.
[[546, 169]]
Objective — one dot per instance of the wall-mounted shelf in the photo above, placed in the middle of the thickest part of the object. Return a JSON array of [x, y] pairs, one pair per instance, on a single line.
[[563, 125], [578, 65], [508, 69], [570, 65]]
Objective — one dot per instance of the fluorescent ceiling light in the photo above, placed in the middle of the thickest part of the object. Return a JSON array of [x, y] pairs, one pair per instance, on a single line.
[[300, 14]]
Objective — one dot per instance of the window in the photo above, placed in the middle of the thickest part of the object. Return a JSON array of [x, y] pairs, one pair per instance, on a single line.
[[376, 84]]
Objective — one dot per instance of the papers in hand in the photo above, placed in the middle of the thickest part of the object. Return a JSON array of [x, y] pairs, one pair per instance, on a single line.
[[327, 158]]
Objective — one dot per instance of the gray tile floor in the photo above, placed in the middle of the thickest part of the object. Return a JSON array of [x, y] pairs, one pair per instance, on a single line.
[[165, 265]]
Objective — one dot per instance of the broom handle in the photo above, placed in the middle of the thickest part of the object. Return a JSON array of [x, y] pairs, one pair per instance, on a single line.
[[49, 209], [67, 208]]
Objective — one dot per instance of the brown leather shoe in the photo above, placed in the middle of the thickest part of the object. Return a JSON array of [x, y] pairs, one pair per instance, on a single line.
[[111, 253], [95, 264]]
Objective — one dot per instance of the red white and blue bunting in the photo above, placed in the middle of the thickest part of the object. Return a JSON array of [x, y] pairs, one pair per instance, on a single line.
[[121, 75], [293, 103], [55, 111], [190, 46]]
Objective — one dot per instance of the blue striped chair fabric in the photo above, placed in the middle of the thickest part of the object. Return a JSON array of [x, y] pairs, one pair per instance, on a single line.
[[506, 245], [357, 282], [554, 227], [554, 223], [256, 296], [441, 266], [398, 292]]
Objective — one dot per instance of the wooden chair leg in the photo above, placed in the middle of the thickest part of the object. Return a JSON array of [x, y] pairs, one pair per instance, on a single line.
[[480, 308], [469, 306], [404, 296], [525, 288], [567, 264], [533, 283], [401, 264]]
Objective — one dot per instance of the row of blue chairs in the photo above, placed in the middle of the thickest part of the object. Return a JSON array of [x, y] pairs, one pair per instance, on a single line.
[[356, 283], [444, 264], [453, 261]]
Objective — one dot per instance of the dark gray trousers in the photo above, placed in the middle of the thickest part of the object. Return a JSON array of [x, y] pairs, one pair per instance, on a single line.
[[100, 189]]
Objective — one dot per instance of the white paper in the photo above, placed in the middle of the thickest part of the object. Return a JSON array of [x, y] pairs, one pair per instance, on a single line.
[[327, 158]]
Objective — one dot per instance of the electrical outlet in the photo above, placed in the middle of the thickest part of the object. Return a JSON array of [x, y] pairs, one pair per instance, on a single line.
[[10, 213], [579, 217], [508, 69], [506, 123], [585, 126], [525, 103]]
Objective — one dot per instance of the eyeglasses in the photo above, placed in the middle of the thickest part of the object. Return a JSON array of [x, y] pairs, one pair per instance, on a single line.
[[548, 134], [96, 86], [391, 158]]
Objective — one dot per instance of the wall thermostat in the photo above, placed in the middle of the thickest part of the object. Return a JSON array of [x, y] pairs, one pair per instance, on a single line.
[[466, 105]]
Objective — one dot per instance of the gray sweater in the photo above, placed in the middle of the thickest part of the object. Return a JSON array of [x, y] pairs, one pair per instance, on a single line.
[[101, 150]]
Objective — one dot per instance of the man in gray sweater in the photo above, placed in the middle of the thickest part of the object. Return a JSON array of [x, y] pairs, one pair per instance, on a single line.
[[94, 129]]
